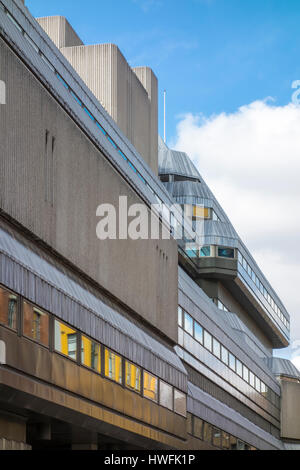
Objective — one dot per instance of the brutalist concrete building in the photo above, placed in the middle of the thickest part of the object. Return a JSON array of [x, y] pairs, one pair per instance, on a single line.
[[121, 344]]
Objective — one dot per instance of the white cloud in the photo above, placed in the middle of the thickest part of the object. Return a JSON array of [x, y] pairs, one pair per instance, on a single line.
[[251, 161]]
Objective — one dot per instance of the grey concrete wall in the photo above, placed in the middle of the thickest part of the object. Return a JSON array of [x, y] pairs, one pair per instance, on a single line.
[[290, 409], [150, 83], [60, 31], [130, 100], [57, 199]]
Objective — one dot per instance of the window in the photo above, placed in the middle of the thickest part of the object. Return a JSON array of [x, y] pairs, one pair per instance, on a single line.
[[264, 390], [189, 423], [200, 212], [224, 355], [179, 316], [226, 252], [90, 354], [257, 384], [198, 333], [216, 348], [133, 377], [35, 324], [225, 441], [207, 433], [188, 323], [217, 437], [8, 309], [198, 428], [240, 445], [207, 341], [233, 443], [232, 364], [239, 368], [113, 366], [179, 402], [150, 386], [245, 373], [165, 395], [204, 251], [65, 340], [251, 379]]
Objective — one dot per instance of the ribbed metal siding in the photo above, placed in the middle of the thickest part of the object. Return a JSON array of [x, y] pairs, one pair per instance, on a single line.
[[34, 278]]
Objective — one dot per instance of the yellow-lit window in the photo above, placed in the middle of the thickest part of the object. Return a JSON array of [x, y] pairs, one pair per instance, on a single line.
[[90, 354], [133, 377], [200, 212], [35, 324], [8, 309], [113, 366], [65, 340], [150, 386]]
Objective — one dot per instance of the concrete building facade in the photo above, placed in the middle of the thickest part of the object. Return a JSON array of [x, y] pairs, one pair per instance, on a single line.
[[121, 344]]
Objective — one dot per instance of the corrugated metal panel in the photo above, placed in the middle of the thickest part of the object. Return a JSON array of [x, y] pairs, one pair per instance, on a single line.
[[281, 366], [175, 163], [28, 274], [213, 411]]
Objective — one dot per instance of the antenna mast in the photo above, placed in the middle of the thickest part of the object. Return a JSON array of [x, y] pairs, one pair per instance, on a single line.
[[165, 93]]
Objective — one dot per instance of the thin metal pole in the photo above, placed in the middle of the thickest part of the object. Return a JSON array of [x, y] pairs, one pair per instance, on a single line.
[[165, 116]]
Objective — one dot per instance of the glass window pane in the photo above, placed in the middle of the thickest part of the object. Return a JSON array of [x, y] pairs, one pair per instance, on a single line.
[[90, 354], [233, 443], [198, 428], [179, 402], [35, 324], [8, 308], [225, 440], [133, 377], [252, 379], [216, 348], [245, 373], [207, 340], [189, 423], [198, 332], [207, 433], [166, 395], [150, 386], [205, 251], [217, 437], [257, 384], [113, 366], [188, 323], [232, 364], [239, 368], [65, 340], [224, 355], [201, 212], [240, 445], [179, 316], [226, 252]]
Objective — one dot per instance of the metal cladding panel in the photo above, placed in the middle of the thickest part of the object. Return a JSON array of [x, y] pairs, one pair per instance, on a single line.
[[175, 163], [201, 307], [241, 328], [213, 411], [28, 274], [284, 367]]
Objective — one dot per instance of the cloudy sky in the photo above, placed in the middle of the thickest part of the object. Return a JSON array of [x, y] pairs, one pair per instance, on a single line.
[[228, 67]]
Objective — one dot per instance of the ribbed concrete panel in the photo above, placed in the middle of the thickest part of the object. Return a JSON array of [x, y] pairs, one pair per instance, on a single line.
[[283, 367], [60, 31], [150, 83], [106, 72]]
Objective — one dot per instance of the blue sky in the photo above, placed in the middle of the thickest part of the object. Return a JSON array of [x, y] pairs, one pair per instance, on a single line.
[[210, 55]]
